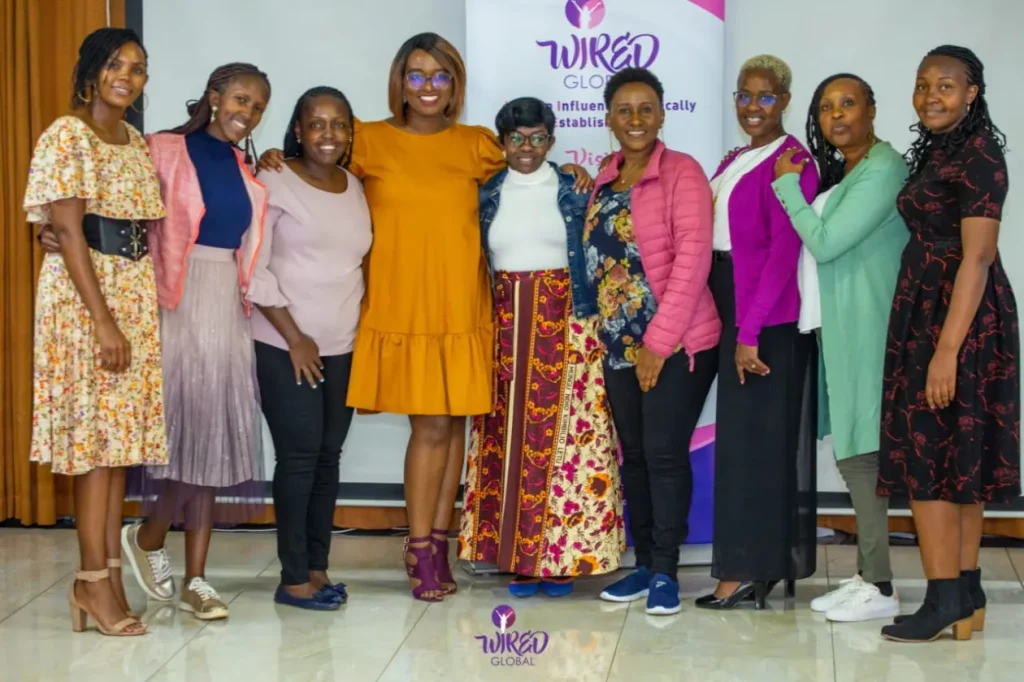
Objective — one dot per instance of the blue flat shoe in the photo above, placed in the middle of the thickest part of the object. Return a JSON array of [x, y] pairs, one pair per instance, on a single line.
[[557, 588], [324, 600], [338, 589], [524, 587]]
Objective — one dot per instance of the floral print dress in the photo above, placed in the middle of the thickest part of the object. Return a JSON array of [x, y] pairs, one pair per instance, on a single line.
[[85, 416], [968, 452]]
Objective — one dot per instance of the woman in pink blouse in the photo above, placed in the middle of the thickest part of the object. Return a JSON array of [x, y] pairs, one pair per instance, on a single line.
[[307, 287]]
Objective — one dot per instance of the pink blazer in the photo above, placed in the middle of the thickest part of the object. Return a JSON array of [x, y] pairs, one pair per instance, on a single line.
[[171, 239], [672, 223]]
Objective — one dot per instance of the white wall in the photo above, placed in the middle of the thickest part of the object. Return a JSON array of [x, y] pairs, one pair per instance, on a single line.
[[302, 43]]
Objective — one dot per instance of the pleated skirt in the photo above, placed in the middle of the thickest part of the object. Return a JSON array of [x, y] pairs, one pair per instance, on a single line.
[[212, 403]]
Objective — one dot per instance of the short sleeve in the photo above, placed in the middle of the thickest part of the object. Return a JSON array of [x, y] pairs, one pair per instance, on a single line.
[[357, 164], [983, 183], [490, 154], [63, 167]]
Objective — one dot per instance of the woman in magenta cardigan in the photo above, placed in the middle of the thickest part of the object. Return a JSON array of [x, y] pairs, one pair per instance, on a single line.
[[764, 517], [647, 242]]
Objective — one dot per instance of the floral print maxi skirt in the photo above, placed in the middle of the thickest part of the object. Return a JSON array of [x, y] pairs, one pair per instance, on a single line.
[[542, 485]]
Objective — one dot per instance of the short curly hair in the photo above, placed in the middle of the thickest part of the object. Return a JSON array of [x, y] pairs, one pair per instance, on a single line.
[[769, 62]]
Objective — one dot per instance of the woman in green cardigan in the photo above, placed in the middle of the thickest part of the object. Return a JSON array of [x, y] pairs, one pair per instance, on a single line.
[[855, 235]]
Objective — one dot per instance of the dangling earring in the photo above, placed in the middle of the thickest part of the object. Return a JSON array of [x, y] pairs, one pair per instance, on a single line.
[[145, 104], [213, 113], [83, 98]]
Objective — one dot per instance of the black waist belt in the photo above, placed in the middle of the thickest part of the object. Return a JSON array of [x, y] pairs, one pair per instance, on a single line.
[[114, 237], [721, 256]]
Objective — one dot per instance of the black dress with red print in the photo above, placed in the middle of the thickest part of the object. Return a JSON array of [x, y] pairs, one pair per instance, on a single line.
[[968, 452]]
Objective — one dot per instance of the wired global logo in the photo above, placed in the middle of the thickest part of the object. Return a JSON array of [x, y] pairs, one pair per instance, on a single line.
[[584, 13], [512, 648], [606, 51]]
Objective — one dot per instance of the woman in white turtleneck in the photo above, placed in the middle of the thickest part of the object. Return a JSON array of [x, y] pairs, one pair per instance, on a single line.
[[542, 472]]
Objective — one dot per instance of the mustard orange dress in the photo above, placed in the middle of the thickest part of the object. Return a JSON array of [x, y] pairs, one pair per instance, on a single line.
[[425, 342]]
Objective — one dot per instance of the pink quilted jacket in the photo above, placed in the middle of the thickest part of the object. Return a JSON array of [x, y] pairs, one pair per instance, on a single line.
[[671, 206], [172, 238]]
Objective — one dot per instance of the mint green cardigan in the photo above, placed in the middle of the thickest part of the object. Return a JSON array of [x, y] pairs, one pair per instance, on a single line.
[[857, 242]]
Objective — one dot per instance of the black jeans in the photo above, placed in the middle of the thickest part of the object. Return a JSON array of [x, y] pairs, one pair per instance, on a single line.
[[654, 430], [308, 427]]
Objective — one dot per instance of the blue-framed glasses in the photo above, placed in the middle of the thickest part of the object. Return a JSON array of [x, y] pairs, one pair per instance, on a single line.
[[764, 99], [417, 80]]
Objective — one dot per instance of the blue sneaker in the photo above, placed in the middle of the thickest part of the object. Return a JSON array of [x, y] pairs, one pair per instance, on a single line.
[[634, 586], [663, 596]]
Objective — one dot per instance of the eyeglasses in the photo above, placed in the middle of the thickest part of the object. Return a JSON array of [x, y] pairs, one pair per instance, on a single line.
[[417, 80], [536, 139], [765, 99]]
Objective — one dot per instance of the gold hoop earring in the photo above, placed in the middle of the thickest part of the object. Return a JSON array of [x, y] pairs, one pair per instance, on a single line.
[[145, 104], [83, 98]]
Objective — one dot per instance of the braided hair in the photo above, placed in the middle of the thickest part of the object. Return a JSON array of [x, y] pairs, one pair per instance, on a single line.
[[200, 112], [95, 52], [292, 148], [976, 120], [830, 161]]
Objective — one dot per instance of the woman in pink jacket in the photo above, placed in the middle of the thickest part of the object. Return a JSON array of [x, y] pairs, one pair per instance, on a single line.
[[648, 251]]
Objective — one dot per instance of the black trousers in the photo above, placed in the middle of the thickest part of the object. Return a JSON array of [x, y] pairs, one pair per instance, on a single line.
[[308, 427], [654, 430]]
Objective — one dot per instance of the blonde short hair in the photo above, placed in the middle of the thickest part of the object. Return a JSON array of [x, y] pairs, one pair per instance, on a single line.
[[774, 65]]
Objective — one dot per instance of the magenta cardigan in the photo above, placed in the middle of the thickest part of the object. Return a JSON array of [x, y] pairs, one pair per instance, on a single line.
[[673, 228], [765, 247]]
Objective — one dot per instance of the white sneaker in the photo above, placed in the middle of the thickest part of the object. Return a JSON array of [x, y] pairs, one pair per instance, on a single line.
[[866, 602], [836, 597]]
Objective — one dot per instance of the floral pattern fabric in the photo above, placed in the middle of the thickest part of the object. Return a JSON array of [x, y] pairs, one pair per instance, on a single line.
[[542, 485], [84, 416], [625, 302], [968, 452]]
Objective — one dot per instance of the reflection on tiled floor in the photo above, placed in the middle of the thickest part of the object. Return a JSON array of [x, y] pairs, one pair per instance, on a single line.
[[382, 634]]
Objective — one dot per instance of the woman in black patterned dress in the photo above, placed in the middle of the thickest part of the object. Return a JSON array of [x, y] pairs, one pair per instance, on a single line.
[[950, 410]]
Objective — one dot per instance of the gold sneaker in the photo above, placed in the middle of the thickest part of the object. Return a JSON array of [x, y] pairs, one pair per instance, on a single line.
[[202, 601], [151, 569]]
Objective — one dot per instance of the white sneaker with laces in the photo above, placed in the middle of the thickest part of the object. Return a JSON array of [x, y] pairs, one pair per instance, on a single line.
[[866, 602], [836, 597]]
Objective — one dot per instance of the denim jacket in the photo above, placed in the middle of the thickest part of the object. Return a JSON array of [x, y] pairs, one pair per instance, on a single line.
[[573, 206]]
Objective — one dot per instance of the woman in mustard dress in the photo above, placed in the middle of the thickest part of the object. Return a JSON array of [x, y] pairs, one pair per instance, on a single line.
[[424, 345]]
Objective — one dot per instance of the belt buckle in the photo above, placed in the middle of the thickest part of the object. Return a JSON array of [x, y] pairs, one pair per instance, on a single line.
[[135, 240]]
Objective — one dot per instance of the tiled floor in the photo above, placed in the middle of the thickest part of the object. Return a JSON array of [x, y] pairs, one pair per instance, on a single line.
[[382, 634]]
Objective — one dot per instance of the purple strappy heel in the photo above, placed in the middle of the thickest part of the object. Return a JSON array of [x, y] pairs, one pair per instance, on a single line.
[[423, 570], [444, 572]]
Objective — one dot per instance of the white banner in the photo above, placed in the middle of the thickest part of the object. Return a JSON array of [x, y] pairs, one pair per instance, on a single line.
[[564, 51]]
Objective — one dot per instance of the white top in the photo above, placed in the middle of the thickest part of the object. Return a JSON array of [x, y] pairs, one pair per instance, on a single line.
[[528, 232], [311, 260], [807, 277], [722, 186]]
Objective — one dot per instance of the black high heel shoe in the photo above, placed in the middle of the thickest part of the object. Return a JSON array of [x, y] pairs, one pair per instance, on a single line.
[[757, 590]]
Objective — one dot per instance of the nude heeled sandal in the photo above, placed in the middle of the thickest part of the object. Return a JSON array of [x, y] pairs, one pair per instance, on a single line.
[[116, 563], [80, 614]]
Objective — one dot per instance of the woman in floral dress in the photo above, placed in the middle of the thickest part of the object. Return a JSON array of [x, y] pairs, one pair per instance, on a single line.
[[950, 439], [98, 399]]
